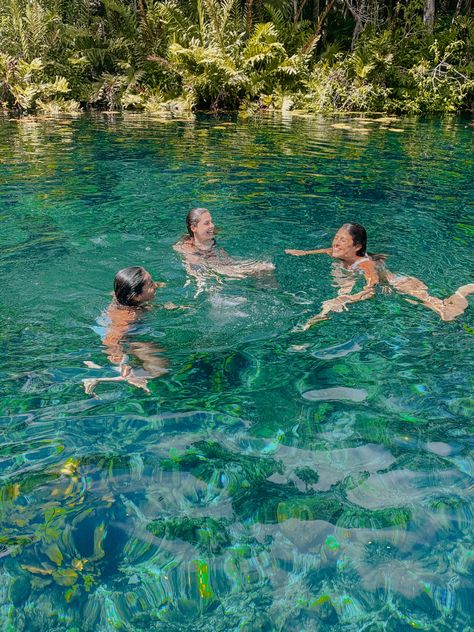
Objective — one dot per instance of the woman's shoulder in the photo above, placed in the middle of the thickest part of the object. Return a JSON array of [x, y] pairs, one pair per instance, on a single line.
[[370, 269], [184, 245], [121, 314], [364, 262]]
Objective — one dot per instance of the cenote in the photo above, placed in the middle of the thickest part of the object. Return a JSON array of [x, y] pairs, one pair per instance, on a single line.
[[271, 480]]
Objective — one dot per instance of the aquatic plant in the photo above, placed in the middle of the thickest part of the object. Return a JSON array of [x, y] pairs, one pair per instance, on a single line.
[[207, 534]]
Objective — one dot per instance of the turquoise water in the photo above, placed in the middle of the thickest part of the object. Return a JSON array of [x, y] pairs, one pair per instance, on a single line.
[[271, 480]]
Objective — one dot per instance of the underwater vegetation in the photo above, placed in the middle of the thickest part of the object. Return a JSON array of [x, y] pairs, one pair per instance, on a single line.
[[109, 542]]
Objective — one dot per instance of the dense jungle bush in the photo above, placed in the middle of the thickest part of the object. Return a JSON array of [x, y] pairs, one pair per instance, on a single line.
[[315, 55]]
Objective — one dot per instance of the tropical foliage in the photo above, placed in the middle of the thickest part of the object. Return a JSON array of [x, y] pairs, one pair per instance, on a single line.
[[326, 55]]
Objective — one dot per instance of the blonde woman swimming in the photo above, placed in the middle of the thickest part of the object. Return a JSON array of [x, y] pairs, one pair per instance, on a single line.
[[202, 257]]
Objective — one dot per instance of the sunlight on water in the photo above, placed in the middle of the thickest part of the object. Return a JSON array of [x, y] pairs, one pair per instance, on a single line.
[[272, 480]]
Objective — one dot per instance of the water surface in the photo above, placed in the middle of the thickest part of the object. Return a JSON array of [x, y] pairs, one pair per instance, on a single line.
[[271, 480]]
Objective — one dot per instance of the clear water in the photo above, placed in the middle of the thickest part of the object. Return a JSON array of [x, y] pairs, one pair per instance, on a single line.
[[243, 493]]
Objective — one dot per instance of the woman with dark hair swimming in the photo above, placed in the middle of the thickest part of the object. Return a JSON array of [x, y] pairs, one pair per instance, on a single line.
[[349, 247], [133, 289], [202, 257]]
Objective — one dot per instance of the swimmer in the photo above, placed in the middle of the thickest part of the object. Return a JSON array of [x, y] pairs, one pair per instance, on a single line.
[[202, 256], [349, 247], [133, 289]]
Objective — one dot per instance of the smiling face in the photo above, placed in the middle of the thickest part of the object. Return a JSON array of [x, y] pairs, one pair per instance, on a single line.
[[203, 230], [343, 246]]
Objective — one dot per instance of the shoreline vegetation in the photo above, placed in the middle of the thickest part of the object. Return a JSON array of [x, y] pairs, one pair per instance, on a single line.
[[180, 56]]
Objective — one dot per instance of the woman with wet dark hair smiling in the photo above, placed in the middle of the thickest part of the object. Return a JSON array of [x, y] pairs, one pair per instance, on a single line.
[[349, 248]]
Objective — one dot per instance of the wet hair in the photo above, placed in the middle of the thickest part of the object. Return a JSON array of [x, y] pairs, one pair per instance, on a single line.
[[359, 237], [193, 217], [128, 284]]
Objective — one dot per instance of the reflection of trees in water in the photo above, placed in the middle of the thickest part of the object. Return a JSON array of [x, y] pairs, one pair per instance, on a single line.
[[53, 164], [90, 160]]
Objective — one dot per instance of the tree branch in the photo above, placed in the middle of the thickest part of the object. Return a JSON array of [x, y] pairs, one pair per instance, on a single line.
[[314, 38]]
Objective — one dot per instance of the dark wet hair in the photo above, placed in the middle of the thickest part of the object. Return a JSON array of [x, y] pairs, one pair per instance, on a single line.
[[128, 284], [359, 236], [193, 217]]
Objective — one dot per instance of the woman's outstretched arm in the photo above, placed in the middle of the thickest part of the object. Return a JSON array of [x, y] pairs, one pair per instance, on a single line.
[[219, 263], [235, 269], [301, 253], [340, 303]]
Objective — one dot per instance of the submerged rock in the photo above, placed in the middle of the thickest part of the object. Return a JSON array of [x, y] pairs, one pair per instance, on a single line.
[[19, 590]]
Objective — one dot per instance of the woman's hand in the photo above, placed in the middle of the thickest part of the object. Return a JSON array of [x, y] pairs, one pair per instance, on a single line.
[[125, 370], [89, 385], [139, 382], [336, 304], [129, 376], [173, 306], [263, 266]]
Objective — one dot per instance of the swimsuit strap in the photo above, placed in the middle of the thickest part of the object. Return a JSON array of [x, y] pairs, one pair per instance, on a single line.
[[357, 263], [207, 252]]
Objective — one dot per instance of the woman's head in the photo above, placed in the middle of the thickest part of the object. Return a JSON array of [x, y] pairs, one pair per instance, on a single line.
[[134, 286], [199, 224], [351, 238]]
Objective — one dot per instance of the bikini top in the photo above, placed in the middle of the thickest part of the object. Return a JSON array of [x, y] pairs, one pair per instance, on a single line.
[[357, 263], [379, 266], [355, 269], [211, 252]]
